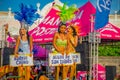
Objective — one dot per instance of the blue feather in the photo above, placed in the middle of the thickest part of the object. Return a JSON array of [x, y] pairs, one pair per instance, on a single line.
[[27, 13]]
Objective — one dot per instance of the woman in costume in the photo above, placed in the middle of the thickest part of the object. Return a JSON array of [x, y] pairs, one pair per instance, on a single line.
[[24, 45], [72, 43], [60, 45]]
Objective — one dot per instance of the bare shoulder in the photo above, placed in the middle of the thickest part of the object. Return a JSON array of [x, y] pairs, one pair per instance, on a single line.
[[56, 34], [76, 36], [30, 37], [18, 38]]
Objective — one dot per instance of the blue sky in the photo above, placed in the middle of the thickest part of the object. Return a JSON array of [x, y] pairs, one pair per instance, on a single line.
[[14, 4]]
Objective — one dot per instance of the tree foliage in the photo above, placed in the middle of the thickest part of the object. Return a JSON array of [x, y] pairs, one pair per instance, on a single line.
[[109, 50]]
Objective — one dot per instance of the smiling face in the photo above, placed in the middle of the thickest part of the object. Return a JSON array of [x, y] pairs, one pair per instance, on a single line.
[[63, 29], [70, 30], [22, 31]]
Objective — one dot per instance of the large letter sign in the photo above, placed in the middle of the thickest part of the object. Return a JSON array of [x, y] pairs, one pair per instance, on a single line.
[[24, 60], [62, 60]]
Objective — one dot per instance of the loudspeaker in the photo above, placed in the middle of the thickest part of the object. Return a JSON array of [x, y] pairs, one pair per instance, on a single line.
[[110, 72], [81, 67], [6, 54], [83, 49]]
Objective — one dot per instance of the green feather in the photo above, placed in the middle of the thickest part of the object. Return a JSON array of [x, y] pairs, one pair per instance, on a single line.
[[66, 13]]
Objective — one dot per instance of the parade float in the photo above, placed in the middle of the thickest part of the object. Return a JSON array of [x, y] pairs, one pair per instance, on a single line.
[[43, 29], [43, 32]]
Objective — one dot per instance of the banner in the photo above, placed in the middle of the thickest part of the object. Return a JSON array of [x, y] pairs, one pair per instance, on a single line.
[[102, 13], [59, 59], [46, 29], [24, 60], [76, 58], [44, 32]]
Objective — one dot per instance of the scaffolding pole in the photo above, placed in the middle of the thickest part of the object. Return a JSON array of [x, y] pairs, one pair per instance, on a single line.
[[94, 41]]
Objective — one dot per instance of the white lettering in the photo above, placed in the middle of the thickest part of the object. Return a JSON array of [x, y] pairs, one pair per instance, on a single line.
[[50, 22], [57, 22], [107, 35], [46, 19], [110, 28], [78, 15], [40, 31], [76, 23], [105, 5], [48, 39]]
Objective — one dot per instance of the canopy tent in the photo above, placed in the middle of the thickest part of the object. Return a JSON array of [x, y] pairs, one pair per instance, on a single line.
[[109, 31], [48, 26], [46, 29], [101, 71], [83, 18]]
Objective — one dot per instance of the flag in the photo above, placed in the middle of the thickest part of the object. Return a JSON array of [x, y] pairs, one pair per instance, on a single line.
[[102, 13]]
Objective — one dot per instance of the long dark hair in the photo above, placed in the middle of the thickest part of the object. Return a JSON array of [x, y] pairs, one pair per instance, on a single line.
[[28, 37], [74, 31], [61, 24]]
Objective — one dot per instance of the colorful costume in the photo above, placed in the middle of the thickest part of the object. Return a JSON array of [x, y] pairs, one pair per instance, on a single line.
[[24, 48], [61, 44], [71, 49]]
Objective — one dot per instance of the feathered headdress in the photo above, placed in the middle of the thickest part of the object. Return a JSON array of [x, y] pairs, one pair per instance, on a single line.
[[66, 13], [26, 15]]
